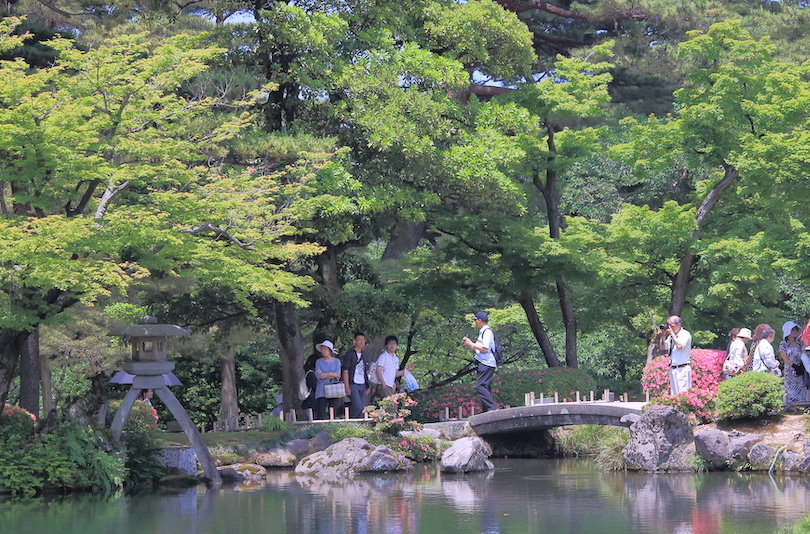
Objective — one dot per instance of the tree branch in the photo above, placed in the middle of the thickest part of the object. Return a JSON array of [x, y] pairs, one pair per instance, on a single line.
[[208, 227], [107, 197]]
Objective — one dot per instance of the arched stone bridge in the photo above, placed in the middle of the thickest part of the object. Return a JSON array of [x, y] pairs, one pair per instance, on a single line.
[[545, 416]]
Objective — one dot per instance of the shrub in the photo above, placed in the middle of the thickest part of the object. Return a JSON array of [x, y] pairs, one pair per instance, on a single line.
[[16, 424], [508, 389], [391, 414], [143, 464], [142, 417], [749, 394]]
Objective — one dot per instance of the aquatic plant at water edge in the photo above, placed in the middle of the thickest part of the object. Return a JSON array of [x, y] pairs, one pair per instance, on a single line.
[[749, 394]]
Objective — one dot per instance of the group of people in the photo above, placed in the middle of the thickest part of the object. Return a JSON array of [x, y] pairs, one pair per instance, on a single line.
[[760, 357], [363, 380]]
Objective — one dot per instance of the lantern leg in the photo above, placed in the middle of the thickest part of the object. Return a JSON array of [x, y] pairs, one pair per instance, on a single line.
[[123, 412], [200, 448]]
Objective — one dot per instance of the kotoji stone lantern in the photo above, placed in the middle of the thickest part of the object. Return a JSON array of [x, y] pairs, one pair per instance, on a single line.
[[149, 342]]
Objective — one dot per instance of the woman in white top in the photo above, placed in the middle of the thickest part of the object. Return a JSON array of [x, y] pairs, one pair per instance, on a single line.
[[764, 359]]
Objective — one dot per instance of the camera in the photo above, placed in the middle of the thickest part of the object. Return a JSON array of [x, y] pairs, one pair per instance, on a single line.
[[663, 326]]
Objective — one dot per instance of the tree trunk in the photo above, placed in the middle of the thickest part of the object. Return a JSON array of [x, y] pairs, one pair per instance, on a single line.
[[570, 322], [406, 239], [292, 354], [229, 407], [45, 380], [30, 373], [539, 330], [11, 342], [680, 287]]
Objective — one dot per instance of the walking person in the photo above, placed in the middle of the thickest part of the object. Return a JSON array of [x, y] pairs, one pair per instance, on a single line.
[[354, 376], [679, 346], [483, 347], [763, 359]]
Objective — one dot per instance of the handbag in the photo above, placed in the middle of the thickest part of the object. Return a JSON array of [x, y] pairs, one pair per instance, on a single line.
[[730, 368], [334, 390]]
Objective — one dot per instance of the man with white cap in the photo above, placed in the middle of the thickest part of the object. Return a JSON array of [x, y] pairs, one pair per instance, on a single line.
[[737, 352]]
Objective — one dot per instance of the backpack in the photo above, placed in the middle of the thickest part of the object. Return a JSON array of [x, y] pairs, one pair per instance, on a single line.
[[496, 348]]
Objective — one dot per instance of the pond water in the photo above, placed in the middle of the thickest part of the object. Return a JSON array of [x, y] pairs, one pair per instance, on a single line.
[[520, 496]]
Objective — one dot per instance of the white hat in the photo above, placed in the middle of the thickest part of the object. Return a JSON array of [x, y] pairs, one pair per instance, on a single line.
[[787, 327], [325, 343], [744, 332]]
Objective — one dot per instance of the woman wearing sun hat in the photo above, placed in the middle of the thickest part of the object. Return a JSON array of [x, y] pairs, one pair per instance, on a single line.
[[327, 370], [791, 351]]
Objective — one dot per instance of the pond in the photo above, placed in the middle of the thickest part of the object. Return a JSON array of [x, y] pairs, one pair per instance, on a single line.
[[520, 496]]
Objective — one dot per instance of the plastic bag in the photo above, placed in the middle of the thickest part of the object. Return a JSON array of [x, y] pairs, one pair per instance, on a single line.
[[410, 382]]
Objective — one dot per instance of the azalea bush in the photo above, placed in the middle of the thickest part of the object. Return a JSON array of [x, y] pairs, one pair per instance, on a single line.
[[508, 389], [391, 414], [142, 417], [16, 424], [698, 401]]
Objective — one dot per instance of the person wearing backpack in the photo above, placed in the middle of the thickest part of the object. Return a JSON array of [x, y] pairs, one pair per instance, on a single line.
[[485, 356]]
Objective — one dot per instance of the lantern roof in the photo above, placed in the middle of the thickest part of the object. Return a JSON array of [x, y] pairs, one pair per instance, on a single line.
[[148, 327]]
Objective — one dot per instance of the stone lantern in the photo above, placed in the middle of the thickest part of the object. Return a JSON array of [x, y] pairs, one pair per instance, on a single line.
[[149, 341]]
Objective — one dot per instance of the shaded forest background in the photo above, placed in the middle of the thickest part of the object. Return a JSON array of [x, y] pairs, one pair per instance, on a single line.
[[269, 174]]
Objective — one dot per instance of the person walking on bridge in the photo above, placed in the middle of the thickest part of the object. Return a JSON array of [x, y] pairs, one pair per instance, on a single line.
[[483, 347]]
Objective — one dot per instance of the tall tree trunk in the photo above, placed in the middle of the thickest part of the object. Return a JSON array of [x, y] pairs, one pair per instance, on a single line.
[[30, 373], [229, 407], [539, 330], [11, 342], [45, 380], [570, 322], [292, 354], [680, 286]]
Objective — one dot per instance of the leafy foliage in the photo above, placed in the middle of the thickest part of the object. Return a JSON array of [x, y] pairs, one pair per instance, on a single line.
[[750, 394]]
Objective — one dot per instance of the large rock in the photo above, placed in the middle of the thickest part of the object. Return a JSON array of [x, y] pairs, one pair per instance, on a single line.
[[712, 446], [466, 455], [274, 458], [243, 473], [761, 456], [791, 461], [349, 457], [305, 447], [661, 440], [452, 430], [740, 445]]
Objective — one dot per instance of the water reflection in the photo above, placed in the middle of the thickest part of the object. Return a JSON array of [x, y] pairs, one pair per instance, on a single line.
[[520, 496]]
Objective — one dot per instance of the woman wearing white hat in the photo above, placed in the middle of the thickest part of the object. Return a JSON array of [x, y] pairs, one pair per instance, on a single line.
[[792, 351], [737, 352], [327, 370]]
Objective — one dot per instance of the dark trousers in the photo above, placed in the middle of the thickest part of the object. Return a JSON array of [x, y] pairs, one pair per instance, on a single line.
[[322, 405], [483, 385], [357, 392]]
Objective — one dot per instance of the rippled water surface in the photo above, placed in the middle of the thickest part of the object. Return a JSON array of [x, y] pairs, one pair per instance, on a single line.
[[521, 496]]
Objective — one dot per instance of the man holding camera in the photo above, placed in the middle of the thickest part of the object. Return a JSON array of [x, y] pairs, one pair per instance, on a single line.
[[679, 347]]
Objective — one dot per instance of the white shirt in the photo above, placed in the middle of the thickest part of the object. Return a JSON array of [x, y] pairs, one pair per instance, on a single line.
[[764, 358], [680, 356], [359, 371], [390, 364], [487, 339]]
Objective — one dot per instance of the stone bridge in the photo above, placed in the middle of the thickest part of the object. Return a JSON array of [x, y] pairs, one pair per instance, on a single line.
[[545, 416]]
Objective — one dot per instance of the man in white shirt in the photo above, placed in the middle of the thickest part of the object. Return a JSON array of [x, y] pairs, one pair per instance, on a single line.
[[354, 376], [483, 347], [679, 345], [388, 368]]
